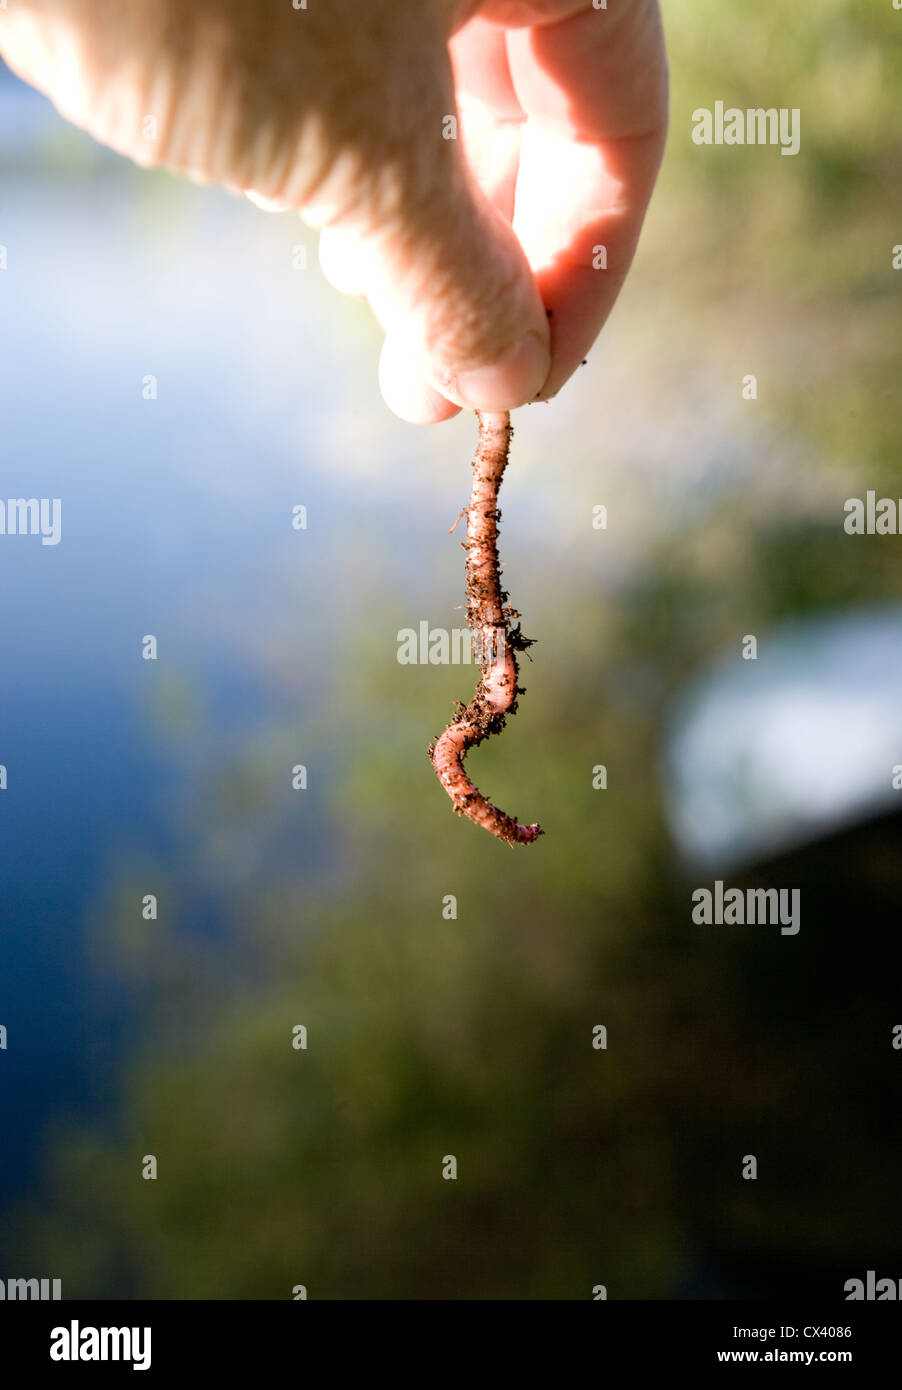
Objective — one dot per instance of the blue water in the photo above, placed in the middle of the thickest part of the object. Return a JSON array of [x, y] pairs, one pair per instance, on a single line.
[[175, 521]]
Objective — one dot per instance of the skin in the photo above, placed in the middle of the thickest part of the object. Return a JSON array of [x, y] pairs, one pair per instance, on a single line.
[[337, 112]]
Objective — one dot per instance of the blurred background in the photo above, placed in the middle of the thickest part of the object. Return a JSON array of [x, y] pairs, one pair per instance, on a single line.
[[430, 1036]]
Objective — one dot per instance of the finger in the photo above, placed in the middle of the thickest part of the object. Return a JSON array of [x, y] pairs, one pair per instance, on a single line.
[[594, 89], [450, 283], [441, 268], [491, 118], [264, 204], [340, 258], [517, 14], [407, 393]]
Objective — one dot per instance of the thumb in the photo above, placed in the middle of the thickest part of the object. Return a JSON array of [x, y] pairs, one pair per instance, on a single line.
[[449, 282]]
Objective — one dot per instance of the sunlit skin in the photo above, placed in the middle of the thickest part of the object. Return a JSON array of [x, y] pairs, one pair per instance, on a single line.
[[477, 254]]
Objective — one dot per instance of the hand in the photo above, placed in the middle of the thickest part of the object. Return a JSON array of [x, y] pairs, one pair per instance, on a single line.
[[478, 254]]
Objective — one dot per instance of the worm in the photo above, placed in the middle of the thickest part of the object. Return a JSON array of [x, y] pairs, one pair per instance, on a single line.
[[495, 641]]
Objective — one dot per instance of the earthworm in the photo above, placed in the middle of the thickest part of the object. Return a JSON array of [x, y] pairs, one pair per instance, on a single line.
[[495, 640]]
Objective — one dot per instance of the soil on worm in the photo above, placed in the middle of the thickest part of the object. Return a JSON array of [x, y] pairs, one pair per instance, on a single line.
[[497, 640]]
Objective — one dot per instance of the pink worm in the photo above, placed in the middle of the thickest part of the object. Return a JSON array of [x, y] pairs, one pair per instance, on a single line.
[[495, 641]]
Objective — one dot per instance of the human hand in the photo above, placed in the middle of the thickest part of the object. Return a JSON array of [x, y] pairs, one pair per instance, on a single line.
[[477, 254]]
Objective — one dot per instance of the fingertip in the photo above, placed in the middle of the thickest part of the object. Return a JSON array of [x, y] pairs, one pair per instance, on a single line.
[[406, 391], [513, 379], [265, 204], [341, 262]]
